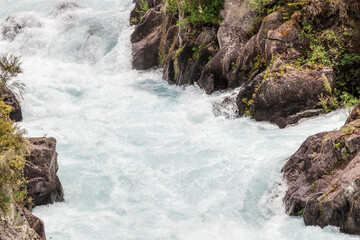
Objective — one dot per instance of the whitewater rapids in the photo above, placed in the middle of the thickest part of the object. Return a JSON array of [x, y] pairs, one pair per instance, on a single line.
[[138, 158]]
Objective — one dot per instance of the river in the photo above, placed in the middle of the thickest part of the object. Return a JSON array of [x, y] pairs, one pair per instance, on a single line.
[[138, 158]]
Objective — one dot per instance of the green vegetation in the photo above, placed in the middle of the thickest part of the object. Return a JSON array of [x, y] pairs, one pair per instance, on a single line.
[[328, 49], [142, 9], [10, 67], [13, 147], [202, 11], [197, 51], [196, 12], [263, 8]]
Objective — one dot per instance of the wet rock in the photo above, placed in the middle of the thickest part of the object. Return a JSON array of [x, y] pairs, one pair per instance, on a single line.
[[323, 179], [146, 52], [10, 99], [355, 114], [146, 40], [43, 185], [285, 96], [14, 25], [226, 107]]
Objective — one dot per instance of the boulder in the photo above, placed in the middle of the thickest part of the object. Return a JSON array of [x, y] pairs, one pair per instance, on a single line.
[[146, 52], [323, 179], [284, 94], [146, 40], [40, 170]]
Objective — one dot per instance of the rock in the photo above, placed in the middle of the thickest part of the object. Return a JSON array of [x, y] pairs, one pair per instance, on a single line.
[[226, 107], [232, 36], [10, 99], [323, 179], [35, 223], [18, 224], [146, 52], [138, 11], [151, 20], [146, 40], [284, 96], [14, 25], [355, 114], [40, 169], [238, 19]]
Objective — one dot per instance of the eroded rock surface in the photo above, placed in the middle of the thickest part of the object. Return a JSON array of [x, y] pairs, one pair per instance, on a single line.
[[20, 224], [323, 179], [43, 186], [285, 98]]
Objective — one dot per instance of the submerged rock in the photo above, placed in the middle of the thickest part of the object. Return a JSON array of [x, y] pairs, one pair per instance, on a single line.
[[323, 179], [43, 185]]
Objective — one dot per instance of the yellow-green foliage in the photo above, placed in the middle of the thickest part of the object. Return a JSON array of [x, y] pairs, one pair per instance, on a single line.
[[13, 149]]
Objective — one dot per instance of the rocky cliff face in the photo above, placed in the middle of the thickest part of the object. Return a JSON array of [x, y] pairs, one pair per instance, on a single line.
[[43, 187], [20, 224], [323, 179], [277, 85]]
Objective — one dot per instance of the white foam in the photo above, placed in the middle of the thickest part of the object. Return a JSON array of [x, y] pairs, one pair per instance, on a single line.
[[140, 159]]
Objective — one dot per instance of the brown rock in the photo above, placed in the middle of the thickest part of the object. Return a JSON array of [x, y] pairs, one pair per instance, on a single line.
[[43, 185], [150, 21], [35, 223], [323, 179], [285, 96]]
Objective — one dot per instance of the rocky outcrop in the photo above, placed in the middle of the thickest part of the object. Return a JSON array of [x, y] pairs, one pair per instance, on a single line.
[[43, 185], [146, 40], [323, 179], [10, 99], [268, 58], [20, 224], [285, 98]]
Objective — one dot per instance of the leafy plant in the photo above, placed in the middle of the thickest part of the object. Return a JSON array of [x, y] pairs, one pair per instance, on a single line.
[[13, 149], [10, 67], [201, 11]]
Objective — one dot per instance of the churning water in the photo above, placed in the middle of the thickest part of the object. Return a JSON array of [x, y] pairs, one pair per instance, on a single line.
[[140, 159]]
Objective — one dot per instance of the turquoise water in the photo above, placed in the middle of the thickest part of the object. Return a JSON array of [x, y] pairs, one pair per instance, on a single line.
[[140, 159]]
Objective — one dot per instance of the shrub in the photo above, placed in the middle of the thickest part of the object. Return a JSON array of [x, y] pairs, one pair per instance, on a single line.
[[200, 12], [10, 67], [13, 149]]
